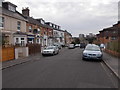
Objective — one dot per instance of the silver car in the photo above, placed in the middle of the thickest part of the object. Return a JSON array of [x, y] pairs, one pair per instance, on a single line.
[[92, 51], [58, 45], [50, 50], [71, 46]]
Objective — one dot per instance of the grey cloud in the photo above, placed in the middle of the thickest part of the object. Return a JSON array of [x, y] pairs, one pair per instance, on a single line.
[[77, 17]]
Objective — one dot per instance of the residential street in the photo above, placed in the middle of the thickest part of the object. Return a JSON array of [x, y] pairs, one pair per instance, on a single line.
[[65, 70]]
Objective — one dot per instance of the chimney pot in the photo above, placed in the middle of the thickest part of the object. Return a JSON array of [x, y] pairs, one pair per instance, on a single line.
[[25, 11]]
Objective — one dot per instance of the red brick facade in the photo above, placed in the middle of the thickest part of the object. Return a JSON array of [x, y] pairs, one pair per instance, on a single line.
[[109, 34]]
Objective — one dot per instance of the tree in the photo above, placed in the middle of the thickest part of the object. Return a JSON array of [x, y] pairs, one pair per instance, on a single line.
[[77, 40]]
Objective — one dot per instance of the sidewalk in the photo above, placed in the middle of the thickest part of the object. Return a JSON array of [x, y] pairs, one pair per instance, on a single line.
[[111, 62], [11, 63]]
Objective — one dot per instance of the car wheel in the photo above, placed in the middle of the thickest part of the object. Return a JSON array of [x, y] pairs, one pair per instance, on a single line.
[[53, 53], [43, 54], [57, 52], [83, 58], [100, 60]]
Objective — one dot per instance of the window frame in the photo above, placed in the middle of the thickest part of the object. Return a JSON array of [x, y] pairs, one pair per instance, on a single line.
[[18, 25], [2, 23]]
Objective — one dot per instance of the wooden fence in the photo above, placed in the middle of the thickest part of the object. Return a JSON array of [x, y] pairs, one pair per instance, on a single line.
[[8, 53], [34, 48]]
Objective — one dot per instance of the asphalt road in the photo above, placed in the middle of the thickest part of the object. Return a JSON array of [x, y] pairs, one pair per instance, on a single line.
[[65, 70]]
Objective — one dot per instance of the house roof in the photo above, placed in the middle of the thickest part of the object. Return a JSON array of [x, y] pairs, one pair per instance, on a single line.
[[10, 3], [47, 26], [32, 20], [36, 22], [68, 33], [16, 14], [19, 33]]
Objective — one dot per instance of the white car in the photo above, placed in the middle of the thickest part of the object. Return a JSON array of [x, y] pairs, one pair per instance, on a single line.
[[92, 51], [50, 50], [77, 45], [58, 45], [71, 46], [102, 46]]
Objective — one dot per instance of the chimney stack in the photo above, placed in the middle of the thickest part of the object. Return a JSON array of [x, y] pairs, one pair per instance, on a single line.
[[25, 11]]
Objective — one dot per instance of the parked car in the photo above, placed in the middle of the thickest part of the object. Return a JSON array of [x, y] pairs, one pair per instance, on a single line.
[[82, 45], [50, 50], [92, 51], [58, 45], [77, 45], [71, 46], [102, 46]]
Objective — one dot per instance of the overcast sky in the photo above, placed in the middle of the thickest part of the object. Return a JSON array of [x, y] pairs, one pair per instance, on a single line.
[[76, 16]]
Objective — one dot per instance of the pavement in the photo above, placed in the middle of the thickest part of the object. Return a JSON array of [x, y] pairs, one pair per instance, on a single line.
[[112, 63], [15, 62], [65, 70]]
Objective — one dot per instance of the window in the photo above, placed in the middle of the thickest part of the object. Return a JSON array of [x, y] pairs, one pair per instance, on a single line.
[[107, 37], [37, 40], [50, 24], [18, 26], [114, 32], [22, 38], [42, 22], [11, 8], [113, 38], [30, 28], [22, 41], [1, 22], [62, 34], [0, 3], [38, 31], [17, 40], [44, 32]]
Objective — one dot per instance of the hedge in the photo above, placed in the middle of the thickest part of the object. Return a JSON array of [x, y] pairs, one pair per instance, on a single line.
[[114, 46]]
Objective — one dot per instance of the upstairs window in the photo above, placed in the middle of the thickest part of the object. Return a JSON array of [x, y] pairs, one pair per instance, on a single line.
[[62, 34], [18, 26], [107, 37], [50, 24], [113, 38], [0, 4], [11, 8], [1, 22], [42, 22], [114, 32], [30, 28], [38, 31]]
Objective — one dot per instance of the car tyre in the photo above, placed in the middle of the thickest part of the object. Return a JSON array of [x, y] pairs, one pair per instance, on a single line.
[[57, 52], [83, 58], [43, 54], [53, 53]]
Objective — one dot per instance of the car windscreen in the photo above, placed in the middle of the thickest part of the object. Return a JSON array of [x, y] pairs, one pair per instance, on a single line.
[[92, 48], [71, 45], [50, 48]]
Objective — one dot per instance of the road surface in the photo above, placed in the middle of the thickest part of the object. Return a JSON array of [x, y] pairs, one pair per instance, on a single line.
[[65, 70]]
